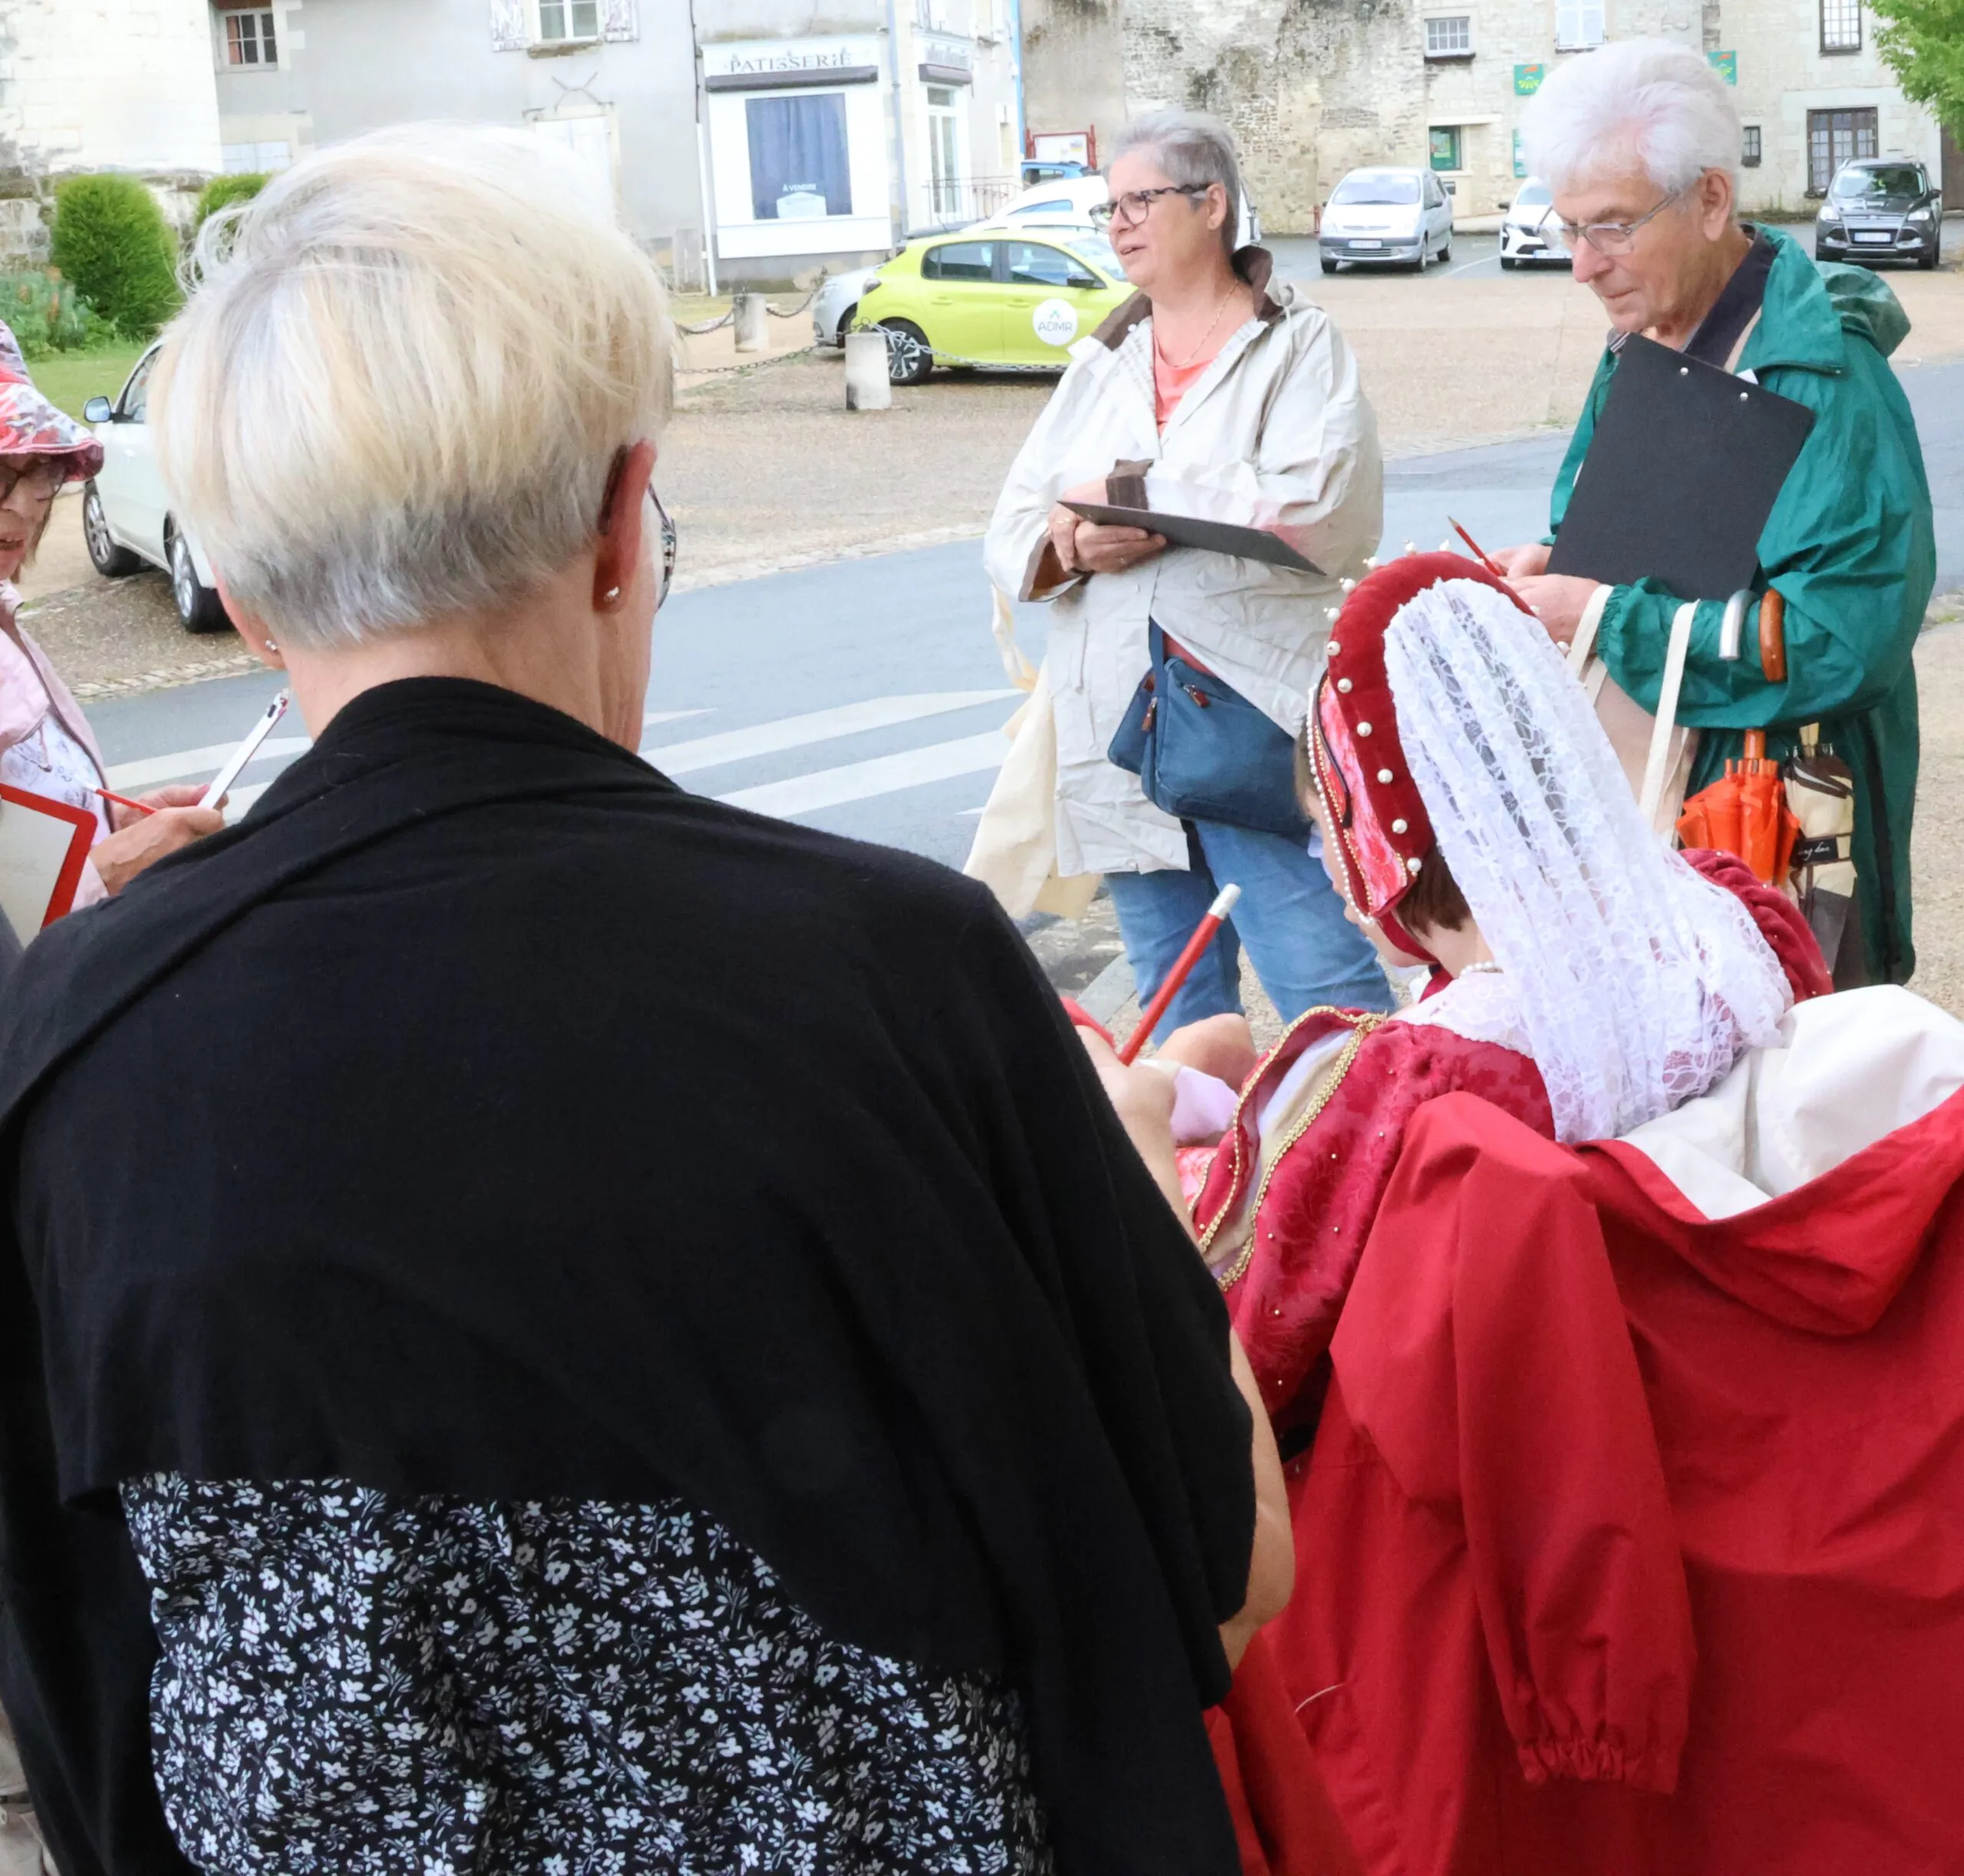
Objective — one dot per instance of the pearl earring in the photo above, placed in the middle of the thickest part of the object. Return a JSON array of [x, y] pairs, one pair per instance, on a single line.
[[613, 593], [270, 646]]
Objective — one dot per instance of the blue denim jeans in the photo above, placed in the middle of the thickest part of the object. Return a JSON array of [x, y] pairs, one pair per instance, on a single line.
[[1290, 917]]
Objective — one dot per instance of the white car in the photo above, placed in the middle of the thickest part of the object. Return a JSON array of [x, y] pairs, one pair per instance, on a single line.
[[1398, 215], [1068, 202], [836, 302], [126, 514], [1528, 229]]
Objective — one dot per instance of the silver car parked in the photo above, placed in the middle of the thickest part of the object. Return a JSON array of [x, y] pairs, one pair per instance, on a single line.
[[835, 304], [1397, 215]]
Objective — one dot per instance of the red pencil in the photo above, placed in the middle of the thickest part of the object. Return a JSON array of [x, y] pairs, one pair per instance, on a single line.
[[124, 801], [1183, 966], [1479, 553]]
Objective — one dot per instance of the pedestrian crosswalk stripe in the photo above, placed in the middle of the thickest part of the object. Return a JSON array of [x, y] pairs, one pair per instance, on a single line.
[[882, 775], [818, 726], [188, 764]]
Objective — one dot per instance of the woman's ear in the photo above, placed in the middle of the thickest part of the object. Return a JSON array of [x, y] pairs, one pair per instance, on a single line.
[[617, 554], [252, 628]]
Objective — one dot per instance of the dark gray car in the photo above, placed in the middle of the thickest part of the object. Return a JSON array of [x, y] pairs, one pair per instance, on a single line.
[[1881, 209]]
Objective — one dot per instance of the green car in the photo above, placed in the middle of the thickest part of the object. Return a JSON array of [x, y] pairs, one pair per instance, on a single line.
[[992, 296]]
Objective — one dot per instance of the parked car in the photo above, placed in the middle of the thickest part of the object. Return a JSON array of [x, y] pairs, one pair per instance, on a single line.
[[1072, 199], [1528, 229], [126, 514], [1379, 215], [1037, 169], [992, 296], [835, 303], [1881, 209]]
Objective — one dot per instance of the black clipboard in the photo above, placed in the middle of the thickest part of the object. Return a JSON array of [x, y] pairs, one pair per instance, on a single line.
[[1681, 473], [1211, 537]]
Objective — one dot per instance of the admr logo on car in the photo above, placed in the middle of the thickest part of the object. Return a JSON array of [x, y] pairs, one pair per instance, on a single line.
[[1055, 322]]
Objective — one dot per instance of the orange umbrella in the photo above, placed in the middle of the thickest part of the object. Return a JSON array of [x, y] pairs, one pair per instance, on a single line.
[[1746, 812]]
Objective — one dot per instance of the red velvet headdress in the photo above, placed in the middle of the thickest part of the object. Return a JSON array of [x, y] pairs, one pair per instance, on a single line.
[[1380, 831]]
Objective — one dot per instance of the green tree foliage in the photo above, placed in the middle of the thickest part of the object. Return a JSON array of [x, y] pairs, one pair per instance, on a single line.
[[110, 239], [1922, 42], [222, 192], [47, 314]]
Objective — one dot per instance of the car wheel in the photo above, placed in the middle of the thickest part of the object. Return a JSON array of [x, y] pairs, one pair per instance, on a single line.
[[198, 605], [845, 320], [1445, 252], [1928, 262], [1329, 267], [1418, 265], [111, 561], [909, 357], [1508, 262]]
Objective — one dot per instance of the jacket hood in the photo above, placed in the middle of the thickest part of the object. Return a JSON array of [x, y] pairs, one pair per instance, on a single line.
[[1808, 1184], [1813, 308]]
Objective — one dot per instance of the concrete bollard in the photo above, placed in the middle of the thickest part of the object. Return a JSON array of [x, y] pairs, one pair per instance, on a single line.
[[867, 388], [753, 318]]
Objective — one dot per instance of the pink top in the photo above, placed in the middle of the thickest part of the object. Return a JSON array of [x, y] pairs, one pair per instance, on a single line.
[[35, 702]]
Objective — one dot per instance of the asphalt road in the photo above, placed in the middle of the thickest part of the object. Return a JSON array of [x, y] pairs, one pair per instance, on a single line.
[[867, 696]]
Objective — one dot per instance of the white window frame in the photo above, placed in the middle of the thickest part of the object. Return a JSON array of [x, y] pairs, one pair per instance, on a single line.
[[564, 9], [1580, 25], [1842, 10], [1463, 20], [264, 21]]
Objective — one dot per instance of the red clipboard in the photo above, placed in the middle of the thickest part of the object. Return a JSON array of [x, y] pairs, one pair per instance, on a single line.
[[42, 858]]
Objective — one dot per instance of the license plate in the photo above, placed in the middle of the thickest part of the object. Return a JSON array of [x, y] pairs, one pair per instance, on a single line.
[[1863, 234], [1367, 244]]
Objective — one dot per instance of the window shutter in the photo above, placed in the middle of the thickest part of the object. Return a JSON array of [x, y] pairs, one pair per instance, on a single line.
[[617, 20], [511, 26]]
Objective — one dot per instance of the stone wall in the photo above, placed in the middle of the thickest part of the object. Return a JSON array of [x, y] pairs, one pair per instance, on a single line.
[[102, 85], [1315, 88]]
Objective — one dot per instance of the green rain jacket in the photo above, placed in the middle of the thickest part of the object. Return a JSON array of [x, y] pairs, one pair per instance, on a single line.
[[1850, 545]]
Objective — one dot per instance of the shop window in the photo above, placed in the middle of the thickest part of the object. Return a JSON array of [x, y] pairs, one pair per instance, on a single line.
[[1451, 36], [799, 169], [249, 39], [1835, 137], [1445, 140], [1578, 23], [560, 20], [1840, 25], [1749, 148]]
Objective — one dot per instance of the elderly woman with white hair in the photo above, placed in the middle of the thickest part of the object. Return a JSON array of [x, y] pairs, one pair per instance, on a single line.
[[1217, 387], [633, 1339], [1639, 143]]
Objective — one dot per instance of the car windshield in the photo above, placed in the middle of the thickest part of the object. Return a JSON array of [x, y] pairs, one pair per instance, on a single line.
[[1098, 252], [1534, 195], [1381, 187], [1897, 178]]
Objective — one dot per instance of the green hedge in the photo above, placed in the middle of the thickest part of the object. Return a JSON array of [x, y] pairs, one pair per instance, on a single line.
[[47, 314], [221, 191], [110, 239]]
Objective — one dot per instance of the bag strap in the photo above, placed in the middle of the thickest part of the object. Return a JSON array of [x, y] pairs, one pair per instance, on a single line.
[[1656, 768], [1584, 640]]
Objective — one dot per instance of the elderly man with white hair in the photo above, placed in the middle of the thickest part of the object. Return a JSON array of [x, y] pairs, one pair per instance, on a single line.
[[615, 1333], [1639, 143]]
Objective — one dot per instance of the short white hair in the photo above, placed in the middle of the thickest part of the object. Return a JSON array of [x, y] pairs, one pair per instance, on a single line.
[[1194, 150], [1650, 104], [402, 379]]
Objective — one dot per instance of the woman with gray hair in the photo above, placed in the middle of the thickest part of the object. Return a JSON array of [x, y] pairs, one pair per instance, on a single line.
[[1639, 143], [634, 1340], [1219, 389]]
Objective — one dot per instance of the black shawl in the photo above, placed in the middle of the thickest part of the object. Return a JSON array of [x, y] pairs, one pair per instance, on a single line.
[[485, 1115]]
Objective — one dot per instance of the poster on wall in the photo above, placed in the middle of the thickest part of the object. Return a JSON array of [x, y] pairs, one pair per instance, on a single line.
[[799, 170]]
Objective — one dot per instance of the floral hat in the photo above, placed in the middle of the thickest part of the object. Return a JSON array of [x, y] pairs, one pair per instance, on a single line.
[[31, 425]]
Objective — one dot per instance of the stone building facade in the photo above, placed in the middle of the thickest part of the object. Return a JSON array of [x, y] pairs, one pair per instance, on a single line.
[[1315, 88], [101, 84]]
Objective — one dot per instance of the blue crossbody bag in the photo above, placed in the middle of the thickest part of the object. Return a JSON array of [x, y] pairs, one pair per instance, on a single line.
[[1202, 751]]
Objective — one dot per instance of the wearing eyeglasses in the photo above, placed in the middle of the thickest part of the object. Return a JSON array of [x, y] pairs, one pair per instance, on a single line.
[[668, 548], [40, 479], [1136, 204], [1605, 237]]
